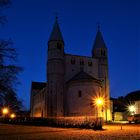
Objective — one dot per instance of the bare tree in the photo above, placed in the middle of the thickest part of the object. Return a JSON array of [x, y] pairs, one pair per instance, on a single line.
[[8, 71]]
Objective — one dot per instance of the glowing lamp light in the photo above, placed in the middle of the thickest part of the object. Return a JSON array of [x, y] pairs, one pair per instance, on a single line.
[[12, 115], [5, 111], [99, 101], [132, 108]]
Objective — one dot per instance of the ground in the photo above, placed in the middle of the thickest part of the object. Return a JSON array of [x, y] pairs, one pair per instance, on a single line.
[[110, 132]]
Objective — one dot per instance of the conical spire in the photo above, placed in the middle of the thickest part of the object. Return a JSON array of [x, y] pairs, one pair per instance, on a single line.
[[56, 33], [99, 41]]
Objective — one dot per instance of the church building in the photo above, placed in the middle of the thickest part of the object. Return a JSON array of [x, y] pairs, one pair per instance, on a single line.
[[74, 82]]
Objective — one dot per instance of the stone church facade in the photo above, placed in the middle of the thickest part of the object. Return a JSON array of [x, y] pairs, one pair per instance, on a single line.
[[73, 82]]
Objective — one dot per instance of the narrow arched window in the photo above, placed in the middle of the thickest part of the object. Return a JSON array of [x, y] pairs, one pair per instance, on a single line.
[[79, 93], [103, 53], [59, 46]]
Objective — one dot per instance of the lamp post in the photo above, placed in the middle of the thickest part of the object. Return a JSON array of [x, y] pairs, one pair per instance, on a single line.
[[132, 110], [99, 102]]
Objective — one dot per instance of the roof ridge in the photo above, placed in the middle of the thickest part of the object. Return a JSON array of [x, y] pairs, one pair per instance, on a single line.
[[82, 75]]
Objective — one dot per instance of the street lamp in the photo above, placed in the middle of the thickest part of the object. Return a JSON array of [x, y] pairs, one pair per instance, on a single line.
[[5, 111], [13, 115], [99, 102], [132, 109]]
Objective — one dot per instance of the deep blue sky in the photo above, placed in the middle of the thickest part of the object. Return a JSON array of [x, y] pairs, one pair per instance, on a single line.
[[30, 23]]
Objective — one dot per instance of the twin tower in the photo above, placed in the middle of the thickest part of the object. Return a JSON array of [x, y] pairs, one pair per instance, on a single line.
[[73, 80]]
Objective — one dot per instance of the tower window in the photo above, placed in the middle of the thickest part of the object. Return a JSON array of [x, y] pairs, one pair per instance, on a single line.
[[79, 93], [59, 46], [102, 53], [72, 61], [81, 62], [89, 63]]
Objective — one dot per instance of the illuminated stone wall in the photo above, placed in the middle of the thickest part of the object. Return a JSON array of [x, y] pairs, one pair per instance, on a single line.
[[39, 103], [137, 104], [75, 63], [80, 98]]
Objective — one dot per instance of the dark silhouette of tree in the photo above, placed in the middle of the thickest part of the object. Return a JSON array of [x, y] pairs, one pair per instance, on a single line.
[[8, 71], [12, 102], [133, 96], [121, 103]]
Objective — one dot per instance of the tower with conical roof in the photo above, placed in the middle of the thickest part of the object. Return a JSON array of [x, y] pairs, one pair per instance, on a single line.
[[55, 73], [99, 51]]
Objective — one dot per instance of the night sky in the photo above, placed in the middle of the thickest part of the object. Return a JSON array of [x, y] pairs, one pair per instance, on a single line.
[[30, 23]]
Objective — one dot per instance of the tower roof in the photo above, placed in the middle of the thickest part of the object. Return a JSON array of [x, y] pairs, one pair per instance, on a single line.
[[99, 41], [56, 33]]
